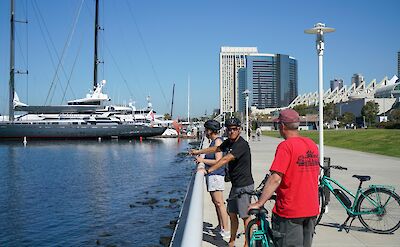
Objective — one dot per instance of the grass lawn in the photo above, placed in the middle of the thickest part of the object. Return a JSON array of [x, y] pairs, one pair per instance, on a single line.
[[379, 141]]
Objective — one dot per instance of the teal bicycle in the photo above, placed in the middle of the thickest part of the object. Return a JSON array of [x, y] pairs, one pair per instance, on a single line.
[[258, 231], [377, 207]]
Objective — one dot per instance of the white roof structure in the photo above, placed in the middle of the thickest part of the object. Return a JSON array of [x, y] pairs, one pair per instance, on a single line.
[[345, 93]]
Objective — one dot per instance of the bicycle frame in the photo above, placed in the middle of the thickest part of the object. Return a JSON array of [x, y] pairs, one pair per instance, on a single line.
[[326, 182], [260, 234]]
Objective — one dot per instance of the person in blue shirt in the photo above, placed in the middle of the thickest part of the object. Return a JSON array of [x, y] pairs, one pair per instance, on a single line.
[[215, 180]]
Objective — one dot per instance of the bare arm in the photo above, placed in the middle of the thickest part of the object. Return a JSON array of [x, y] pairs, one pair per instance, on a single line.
[[272, 184], [224, 160], [208, 150], [211, 162]]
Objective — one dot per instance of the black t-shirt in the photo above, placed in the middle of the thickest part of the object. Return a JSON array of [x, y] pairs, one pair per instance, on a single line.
[[240, 167]]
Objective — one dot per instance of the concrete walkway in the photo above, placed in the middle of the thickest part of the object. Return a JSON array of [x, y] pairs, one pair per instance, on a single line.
[[382, 169]]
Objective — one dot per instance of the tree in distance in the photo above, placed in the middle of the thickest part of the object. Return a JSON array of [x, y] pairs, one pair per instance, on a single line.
[[369, 111]]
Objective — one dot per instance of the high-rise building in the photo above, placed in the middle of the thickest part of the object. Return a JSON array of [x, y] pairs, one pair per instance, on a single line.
[[336, 83], [398, 64], [271, 79], [231, 59], [242, 87], [357, 79]]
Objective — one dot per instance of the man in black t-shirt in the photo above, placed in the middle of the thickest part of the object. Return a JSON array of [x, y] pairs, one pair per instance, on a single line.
[[238, 158]]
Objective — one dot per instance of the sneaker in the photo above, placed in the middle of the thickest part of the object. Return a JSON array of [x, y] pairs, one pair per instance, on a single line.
[[225, 234]]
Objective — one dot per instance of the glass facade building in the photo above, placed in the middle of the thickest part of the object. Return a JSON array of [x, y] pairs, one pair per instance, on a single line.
[[271, 79], [231, 59], [398, 64], [242, 88], [336, 83], [357, 79]]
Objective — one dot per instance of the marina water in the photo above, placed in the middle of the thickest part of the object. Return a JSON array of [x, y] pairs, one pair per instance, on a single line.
[[89, 193]]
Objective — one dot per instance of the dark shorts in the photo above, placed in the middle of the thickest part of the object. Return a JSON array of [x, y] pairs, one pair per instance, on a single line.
[[238, 205], [294, 232]]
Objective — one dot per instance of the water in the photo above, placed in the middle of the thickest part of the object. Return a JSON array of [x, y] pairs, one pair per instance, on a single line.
[[113, 193]]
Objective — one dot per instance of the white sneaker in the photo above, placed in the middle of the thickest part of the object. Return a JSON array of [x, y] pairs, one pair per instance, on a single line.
[[225, 234]]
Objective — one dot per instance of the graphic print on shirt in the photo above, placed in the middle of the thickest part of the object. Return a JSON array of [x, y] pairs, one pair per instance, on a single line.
[[308, 162]]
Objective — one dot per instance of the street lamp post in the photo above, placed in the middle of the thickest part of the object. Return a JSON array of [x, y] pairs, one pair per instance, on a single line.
[[319, 29], [246, 93]]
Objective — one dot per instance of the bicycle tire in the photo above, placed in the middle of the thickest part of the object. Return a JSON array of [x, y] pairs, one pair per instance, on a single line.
[[249, 228], [377, 223], [322, 205]]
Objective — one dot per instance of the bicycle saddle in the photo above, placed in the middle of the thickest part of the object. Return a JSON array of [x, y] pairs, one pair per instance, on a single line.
[[362, 178], [256, 211]]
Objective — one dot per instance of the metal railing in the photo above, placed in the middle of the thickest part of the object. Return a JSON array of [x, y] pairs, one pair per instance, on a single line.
[[193, 233], [189, 230]]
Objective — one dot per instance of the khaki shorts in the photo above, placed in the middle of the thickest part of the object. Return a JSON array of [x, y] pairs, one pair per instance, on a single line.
[[215, 183]]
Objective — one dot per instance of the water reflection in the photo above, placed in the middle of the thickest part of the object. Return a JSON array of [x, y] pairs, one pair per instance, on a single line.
[[72, 193]]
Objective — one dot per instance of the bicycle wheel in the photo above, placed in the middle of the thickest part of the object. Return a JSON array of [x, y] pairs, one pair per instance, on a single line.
[[252, 227], [389, 220], [321, 197]]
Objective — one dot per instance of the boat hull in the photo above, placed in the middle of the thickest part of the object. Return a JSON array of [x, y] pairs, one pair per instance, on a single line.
[[72, 131]]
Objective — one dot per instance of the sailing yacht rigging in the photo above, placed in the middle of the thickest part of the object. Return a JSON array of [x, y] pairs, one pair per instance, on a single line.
[[81, 118]]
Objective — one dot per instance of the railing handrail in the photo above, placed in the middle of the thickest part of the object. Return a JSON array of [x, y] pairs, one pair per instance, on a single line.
[[193, 224]]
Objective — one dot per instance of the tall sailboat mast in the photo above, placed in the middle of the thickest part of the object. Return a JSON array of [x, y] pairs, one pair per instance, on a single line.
[[96, 60], [12, 65], [188, 99], [172, 102]]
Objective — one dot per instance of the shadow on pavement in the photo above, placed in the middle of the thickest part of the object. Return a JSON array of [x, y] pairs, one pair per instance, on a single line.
[[211, 235], [337, 225]]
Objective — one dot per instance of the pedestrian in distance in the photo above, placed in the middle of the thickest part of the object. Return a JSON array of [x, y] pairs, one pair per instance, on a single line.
[[215, 180], [294, 178], [258, 133], [238, 158]]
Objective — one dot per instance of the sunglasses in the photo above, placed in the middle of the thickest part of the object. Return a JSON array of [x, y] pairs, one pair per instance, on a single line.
[[233, 129]]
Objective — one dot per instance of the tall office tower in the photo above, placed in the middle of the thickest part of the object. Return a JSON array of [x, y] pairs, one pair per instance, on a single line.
[[271, 79], [336, 83], [398, 64], [357, 79], [242, 87], [231, 59]]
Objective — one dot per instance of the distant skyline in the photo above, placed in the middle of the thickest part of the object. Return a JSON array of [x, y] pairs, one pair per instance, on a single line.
[[149, 45]]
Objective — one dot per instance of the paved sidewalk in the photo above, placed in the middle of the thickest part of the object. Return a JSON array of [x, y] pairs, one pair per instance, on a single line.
[[382, 169]]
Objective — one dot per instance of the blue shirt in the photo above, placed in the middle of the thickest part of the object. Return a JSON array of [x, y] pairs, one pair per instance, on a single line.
[[220, 171]]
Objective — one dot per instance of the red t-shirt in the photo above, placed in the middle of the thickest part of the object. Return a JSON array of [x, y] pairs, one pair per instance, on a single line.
[[298, 160]]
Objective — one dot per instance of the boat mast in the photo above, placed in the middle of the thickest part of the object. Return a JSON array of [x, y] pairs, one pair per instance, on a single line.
[[172, 103], [188, 99], [12, 64], [96, 60]]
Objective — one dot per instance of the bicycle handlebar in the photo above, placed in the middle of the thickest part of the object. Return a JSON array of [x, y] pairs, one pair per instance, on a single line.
[[334, 167], [338, 167]]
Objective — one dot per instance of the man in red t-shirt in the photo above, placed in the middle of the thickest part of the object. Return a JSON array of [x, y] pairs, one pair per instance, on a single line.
[[294, 178]]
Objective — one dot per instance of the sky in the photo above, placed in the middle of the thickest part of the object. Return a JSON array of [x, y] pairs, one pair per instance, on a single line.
[[147, 46]]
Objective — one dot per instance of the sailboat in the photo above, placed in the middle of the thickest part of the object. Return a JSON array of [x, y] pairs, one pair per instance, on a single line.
[[79, 119]]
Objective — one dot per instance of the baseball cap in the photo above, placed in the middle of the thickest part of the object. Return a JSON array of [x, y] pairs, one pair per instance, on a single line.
[[288, 116]]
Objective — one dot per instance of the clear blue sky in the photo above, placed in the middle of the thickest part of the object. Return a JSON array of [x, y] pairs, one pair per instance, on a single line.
[[180, 38]]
